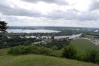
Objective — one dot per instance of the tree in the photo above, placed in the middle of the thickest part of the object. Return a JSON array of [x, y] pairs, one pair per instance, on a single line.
[[52, 37], [69, 52], [3, 26], [83, 35]]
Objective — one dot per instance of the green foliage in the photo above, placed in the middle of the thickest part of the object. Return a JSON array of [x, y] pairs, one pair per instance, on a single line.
[[83, 35], [69, 52], [91, 56], [54, 48], [3, 26], [97, 58], [45, 51], [17, 50], [32, 49], [38, 50], [16, 41], [59, 44]]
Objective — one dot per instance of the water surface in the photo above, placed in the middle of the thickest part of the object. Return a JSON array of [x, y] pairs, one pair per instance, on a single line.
[[31, 31]]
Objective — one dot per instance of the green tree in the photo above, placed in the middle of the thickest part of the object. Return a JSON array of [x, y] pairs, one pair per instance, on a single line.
[[3, 26], [91, 56], [69, 52]]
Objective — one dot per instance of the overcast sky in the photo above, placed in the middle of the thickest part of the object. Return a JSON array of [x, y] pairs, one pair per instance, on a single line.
[[68, 13]]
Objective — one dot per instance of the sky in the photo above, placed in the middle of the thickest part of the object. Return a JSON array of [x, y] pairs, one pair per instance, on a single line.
[[66, 13]]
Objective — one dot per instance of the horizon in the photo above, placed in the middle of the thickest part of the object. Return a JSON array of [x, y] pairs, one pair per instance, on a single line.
[[56, 26]]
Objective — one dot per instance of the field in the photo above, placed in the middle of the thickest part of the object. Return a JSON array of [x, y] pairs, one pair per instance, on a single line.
[[83, 44], [39, 60]]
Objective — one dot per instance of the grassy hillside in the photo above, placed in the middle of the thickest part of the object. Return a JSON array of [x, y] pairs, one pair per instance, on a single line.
[[84, 44], [39, 60]]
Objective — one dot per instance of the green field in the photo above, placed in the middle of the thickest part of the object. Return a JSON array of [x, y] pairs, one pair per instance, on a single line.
[[4, 51], [83, 44], [39, 60]]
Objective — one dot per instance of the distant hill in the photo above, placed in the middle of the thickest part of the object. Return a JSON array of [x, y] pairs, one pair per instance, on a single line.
[[49, 27]]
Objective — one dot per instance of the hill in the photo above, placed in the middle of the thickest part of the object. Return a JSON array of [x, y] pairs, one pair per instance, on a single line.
[[84, 44], [39, 60]]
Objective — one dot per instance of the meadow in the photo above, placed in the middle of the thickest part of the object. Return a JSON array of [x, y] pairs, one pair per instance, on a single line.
[[39, 60], [83, 44]]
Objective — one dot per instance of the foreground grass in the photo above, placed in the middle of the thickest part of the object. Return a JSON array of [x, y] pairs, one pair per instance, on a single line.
[[39, 60], [83, 44]]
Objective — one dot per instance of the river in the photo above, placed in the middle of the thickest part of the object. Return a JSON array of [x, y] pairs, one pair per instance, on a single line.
[[32, 31]]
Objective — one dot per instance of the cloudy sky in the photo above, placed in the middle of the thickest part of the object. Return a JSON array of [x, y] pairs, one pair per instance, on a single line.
[[68, 13]]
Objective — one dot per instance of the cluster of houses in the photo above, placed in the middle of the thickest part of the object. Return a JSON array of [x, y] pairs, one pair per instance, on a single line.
[[95, 41], [49, 39]]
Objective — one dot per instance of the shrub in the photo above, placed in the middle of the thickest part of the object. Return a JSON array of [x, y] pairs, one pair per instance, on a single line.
[[32, 49], [45, 51], [91, 56], [54, 48], [57, 53], [79, 55], [69, 52], [97, 58], [17, 50]]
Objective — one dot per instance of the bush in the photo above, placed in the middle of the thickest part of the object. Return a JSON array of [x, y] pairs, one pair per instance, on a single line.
[[45, 51], [79, 55], [69, 52], [91, 56], [97, 58], [32, 50], [17, 50], [57, 53]]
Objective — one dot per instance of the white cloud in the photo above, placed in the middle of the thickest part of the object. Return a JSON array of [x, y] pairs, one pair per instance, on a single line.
[[81, 5], [60, 2], [74, 13]]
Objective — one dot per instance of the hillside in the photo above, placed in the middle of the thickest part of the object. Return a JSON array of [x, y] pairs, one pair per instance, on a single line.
[[39, 60], [83, 44]]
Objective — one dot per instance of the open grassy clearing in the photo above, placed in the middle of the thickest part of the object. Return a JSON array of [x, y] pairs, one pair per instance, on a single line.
[[39, 60], [83, 44]]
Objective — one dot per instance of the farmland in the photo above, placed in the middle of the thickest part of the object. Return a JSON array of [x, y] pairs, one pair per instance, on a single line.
[[83, 44]]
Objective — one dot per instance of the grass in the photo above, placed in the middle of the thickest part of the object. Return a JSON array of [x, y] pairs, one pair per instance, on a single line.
[[84, 44], [4, 51], [39, 60]]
